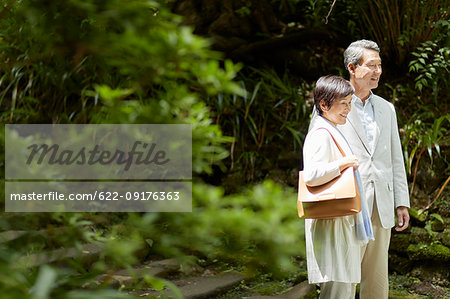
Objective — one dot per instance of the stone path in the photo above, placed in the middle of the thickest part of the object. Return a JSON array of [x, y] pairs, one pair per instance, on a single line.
[[200, 283], [204, 287], [298, 291], [47, 257], [129, 277]]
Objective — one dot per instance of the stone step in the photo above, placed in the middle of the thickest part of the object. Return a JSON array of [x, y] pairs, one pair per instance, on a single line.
[[204, 287], [130, 277], [51, 256], [10, 235], [298, 291], [201, 287]]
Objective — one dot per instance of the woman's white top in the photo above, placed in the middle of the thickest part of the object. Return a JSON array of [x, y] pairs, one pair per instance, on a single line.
[[333, 251]]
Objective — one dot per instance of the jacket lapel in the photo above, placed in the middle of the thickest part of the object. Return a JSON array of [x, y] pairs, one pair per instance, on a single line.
[[378, 115], [355, 122]]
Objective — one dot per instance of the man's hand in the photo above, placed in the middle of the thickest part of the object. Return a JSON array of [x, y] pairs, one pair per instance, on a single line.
[[403, 219]]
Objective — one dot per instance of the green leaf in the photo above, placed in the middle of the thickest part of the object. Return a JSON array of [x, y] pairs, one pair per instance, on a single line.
[[438, 148], [428, 228], [149, 242], [255, 92], [295, 134], [429, 148], [44, 282], [437, 217], [157, 283], [108, 93]]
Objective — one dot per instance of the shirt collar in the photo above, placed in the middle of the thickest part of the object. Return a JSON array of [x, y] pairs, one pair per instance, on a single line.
[[358, 101]]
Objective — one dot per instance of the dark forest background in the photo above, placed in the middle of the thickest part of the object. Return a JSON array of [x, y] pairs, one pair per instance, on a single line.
[[241, 72]]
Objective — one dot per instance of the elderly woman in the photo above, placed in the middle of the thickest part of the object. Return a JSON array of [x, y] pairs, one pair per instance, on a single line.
[[333, 245]]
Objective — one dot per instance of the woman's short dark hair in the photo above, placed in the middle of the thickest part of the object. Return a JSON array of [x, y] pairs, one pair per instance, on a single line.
[[330, 88]]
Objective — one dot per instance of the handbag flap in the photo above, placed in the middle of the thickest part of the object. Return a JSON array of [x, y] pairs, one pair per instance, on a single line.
[[342, 186]]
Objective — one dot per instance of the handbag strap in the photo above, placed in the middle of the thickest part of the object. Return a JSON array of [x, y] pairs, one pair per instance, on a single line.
[[337, 144]]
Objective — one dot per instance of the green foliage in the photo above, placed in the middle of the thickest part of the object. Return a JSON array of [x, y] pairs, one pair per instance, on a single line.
[[258, 229], [431, 62], [207, 138], [432, 67], [418, 215], [134, 62], [400, 26], [420, 135], [424, 132], [433, 251], [333, 16], [159, 284], [105, 62], [51, 281], [244, 10], [425, 129], [316, 12], [272, 112]]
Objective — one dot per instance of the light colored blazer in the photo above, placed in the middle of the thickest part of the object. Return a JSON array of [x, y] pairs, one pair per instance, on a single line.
[[382, 168]]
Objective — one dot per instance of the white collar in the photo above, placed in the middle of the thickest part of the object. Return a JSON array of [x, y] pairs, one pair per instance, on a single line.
[[358, 101]]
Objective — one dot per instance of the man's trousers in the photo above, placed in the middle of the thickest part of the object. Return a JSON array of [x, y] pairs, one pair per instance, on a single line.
[[374, 265]]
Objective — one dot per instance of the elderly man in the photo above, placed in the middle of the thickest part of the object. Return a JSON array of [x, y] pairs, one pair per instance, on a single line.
[[372, 132]]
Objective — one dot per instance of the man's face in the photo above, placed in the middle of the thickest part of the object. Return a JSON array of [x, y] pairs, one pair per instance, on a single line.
[[368, 71]]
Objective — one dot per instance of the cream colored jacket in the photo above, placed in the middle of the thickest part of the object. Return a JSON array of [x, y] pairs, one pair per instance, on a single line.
[[382, 168]]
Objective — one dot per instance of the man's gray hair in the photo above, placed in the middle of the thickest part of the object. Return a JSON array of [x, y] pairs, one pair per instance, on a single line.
[[354, 52]]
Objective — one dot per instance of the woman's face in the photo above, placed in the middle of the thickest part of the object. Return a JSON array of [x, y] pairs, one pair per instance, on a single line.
[[337, 113]]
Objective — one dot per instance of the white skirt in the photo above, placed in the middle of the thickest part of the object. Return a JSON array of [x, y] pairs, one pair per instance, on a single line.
[[332, 250]]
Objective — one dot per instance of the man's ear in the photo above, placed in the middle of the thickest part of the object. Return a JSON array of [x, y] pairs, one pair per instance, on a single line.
[[351, 68]]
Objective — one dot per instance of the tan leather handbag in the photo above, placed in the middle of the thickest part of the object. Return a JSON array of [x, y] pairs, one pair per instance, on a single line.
[[336, 198]]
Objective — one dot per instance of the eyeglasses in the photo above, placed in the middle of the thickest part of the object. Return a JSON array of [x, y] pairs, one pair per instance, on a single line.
[[372, 66]]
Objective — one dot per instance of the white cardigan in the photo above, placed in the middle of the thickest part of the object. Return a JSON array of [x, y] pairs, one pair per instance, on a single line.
[[332, 248]]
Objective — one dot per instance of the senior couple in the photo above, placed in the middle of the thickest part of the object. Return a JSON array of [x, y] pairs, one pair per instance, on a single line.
[[339, 253]]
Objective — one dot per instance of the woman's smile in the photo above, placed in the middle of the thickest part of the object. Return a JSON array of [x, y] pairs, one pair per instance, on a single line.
[[337, 113]]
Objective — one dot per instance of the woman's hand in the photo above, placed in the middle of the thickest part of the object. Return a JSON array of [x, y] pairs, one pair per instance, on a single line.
[[348, 161]]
